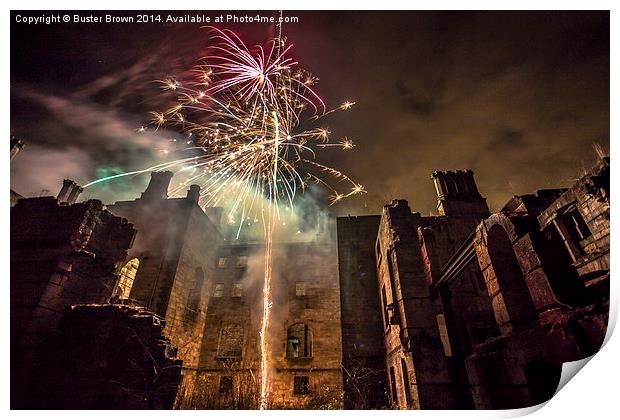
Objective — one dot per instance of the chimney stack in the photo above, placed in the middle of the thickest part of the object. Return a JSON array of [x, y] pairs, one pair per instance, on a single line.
[[16, 146], [194, 193], [75, 193], [67, 187], [69, 192], [158, 186]]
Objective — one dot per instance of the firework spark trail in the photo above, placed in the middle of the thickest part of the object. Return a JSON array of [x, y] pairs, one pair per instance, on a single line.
[[264, 347], [245, 116]]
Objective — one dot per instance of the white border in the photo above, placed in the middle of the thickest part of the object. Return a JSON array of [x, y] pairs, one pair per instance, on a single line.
[[592, 395]]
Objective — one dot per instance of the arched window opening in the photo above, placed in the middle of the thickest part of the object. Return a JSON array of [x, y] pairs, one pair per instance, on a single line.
[[126, 279], [299, 341], [562, 275], [231, 342]]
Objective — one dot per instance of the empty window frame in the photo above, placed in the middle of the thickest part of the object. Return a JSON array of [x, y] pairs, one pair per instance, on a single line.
[[394, 393], [226, 385], [237, 290], [406, 384], [299, 341], [193, 300], [126, 279], [576, 225], [301, 385], [300, 288], [218, 290], [242, 261], [384, 302], [222, 262], [194, 295]]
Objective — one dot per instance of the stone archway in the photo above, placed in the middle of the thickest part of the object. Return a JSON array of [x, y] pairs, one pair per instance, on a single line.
[[511, 297]]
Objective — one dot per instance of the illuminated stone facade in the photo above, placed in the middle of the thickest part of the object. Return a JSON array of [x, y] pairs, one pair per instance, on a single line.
[[480, 310], [303, 337], [463, 309]]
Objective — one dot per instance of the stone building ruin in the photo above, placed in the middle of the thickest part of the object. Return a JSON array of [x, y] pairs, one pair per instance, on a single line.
[[462, 309]]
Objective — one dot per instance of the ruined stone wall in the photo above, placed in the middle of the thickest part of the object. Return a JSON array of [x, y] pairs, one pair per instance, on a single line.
[[523, 368], [466, 317], [412, 335], [60, 255], [363, 351], [161, 226], [201, 389], [549, 306], [55, 248], [242, 311], [188, 302], [105, 357], [590, 197], [314, 265], [445, 327], [466, 304], [530, 290], [176, 245]]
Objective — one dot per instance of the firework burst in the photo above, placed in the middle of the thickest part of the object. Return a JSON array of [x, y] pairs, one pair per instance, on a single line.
[[250, 116]]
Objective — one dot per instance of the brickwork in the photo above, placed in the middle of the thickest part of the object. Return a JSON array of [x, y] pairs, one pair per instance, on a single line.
[[363, 350], [411, 328], [427, 336], [523, 369], [547, 274], [590, 195], [176, 245], [306, 291], [224, 310], [464, 309], [480, 310]]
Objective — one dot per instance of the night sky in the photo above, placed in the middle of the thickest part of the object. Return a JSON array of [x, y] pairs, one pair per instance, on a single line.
[[519, 97]]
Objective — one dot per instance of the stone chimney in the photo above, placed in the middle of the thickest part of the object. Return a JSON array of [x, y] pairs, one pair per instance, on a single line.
[[74, 194], [194, 193], [67, 187], [16, 146], [458, 194], [69, 192], [158, 186]]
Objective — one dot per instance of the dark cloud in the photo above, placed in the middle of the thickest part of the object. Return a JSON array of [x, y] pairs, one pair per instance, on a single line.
[[507, 139], [519, 97], [419, 103]]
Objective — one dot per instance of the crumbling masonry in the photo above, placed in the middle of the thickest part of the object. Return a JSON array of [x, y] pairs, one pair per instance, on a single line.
[[478, 310], [148, 304]]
